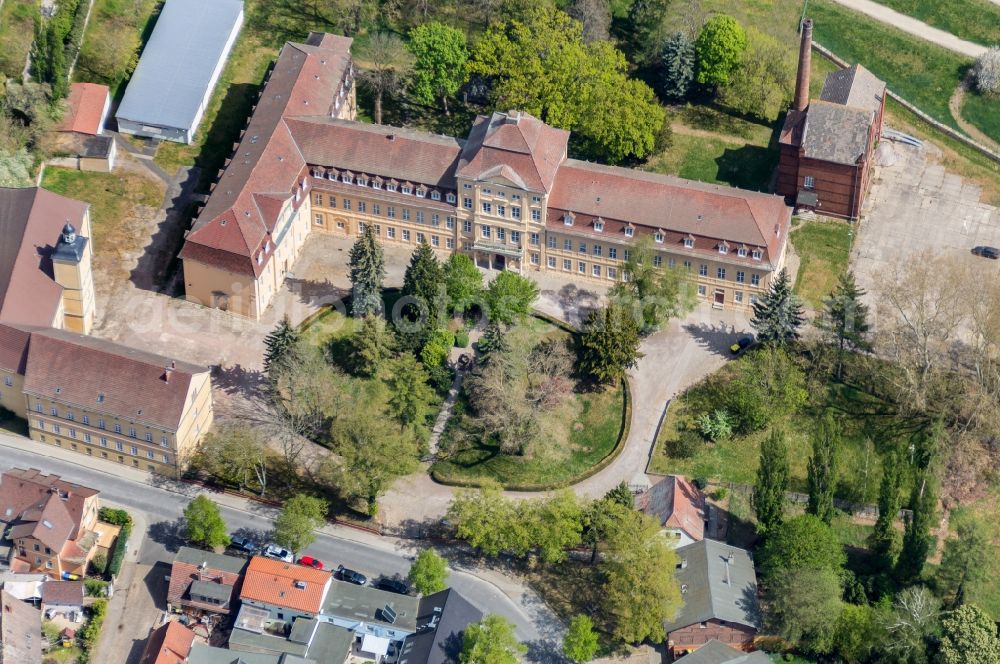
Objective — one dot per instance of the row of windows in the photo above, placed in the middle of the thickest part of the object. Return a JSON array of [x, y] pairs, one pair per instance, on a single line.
[[362, 180], [581, 267], [405, 235], [502, 233], [499, 210], [500, 193], [101, 424], [737, 295], [102, 440], [104, 455]]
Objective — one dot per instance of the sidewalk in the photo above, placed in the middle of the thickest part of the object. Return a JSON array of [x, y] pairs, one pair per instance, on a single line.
[[914, 27]]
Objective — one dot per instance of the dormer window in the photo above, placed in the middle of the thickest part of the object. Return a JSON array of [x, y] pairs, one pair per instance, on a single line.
[[435, 195], [756, 254], [629, 231], [741, 252], [658, 237], [407, 189], [348, 177], [362, 180], [392, 185], [421, 191], [723, 248], [317, 173], [598, 225], [568, 219], [331, 175], [302, 185], [260, 258], [451, 198], [688, 242], [377, 183]]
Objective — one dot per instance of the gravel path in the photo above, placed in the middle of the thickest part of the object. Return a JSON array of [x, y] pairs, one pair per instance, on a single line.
[[915, 27]]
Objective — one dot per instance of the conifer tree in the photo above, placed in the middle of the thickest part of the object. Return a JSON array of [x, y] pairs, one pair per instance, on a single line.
[[424, 281], [677, 67], [821, 471], [367, 265], [279, 347], [884, 540], [917, 538], [609, 345], [844, 321], [493, 342], [372, 344], [768, 498], [777, 316]]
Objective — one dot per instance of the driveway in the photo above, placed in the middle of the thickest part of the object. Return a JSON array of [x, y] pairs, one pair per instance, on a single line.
[[673, 359], [915, 205]]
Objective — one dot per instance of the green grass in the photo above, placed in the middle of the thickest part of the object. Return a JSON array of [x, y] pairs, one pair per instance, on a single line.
[[986, 593], [115, 34], [973, 20], [824, 248], [575, 436], [924, 74], [17, 32], [984, 112]]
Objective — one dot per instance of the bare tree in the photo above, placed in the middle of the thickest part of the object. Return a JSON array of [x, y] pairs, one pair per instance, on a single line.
[[385, 63], [236, 453], [595, 16]]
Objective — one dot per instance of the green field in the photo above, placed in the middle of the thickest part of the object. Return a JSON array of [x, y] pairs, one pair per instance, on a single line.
[[17, 32], [574, 436], [824, 248], [972, 20], [984, 112]]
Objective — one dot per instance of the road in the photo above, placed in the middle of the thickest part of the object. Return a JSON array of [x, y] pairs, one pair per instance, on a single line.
[[162, 506]]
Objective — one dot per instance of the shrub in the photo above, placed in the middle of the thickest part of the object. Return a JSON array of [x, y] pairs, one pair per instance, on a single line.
[[114, 516], [986, 72], [95, 587], [686, 445], [720, 493], [462, 339], [435, 351], [118, 553], [99, 563], [92, 631], [700, 483], [716, 426]]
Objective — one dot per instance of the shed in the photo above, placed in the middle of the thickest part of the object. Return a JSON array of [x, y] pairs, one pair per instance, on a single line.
[[182, 61]]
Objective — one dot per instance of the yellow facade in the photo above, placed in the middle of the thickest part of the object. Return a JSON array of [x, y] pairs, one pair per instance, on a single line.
[[128, 441], [77, 281]]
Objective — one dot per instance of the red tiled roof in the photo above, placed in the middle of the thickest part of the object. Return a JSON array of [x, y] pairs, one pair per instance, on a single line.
[[136, 385], [23, 490], [30, 223], [515, 145], [168, 644], [85, 108], [182, 574], [66, 593], [672, 204], [274, 582], [13, 349], [677, 504]]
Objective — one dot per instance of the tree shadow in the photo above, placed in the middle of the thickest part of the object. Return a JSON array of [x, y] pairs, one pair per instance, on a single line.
[[545, 650], [749, 167], [312, 292], [231, 119], [237, 379], [576, 303], [715, 338], [170, 534], [156, 584]]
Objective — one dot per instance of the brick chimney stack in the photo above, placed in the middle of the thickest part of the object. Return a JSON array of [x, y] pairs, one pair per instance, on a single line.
[[805, 63]]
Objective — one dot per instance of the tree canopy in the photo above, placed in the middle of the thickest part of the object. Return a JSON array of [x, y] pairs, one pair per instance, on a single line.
[[768, 498], [509, 297], [720, 47], [804, 542], [301, 514], [439, 54], [203, 525], [490, 641], [609, 344], [803, 606], [429, 572], [763, 82], [580, 642], [656, 292], [821, 471], [969, 636]]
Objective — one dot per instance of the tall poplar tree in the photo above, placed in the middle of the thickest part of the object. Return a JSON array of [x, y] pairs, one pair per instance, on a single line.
[[777, 316], [884, 540], [367, 265], [768, 498], [821, 473], [424, 282], [917, 539]]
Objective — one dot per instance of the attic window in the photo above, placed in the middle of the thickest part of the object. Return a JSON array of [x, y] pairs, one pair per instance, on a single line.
[[742, 252], [629, 231], [348, 178], [253, 139], [723, 248], [756, 255], [392, 186], [407, 189], [331, 175], [568, 219], [362, 180], [451, 198], [58, 390], [658, 237], [688, 242], [598, 226], [435, 195], [317, 173], [100, 398]]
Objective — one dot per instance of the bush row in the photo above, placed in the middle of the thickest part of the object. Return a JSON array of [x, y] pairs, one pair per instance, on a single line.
[[118, 553]]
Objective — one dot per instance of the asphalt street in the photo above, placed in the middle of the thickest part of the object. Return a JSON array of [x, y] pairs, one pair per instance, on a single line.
[[162, 508]]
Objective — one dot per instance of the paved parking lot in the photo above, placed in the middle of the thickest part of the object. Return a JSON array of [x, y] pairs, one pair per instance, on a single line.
[[915, 205]]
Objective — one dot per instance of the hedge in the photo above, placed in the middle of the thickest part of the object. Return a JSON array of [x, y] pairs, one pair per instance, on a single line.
[[118, 553], [114, 516], [92, 631]]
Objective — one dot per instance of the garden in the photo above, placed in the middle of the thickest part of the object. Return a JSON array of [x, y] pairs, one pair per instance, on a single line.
[[572, 427], [824, 250]]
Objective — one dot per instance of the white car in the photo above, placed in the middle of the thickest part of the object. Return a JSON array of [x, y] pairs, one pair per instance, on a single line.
[[278, 553]]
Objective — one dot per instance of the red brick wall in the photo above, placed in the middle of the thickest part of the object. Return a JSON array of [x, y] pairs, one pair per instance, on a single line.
[[689, 639]]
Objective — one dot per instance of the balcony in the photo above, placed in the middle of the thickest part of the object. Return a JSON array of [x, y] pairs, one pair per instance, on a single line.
[[498, 248]]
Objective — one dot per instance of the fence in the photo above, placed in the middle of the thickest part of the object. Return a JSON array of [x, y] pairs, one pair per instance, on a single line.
[[943, 128], [864, 511]]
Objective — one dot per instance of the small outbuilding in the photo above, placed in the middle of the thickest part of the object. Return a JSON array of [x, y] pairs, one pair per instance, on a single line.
[[63, 598], [183, 59]]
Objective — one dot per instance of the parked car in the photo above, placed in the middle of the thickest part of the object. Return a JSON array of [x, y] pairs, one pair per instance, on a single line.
[[349, 575], [309, 561], [741, 344], [397, 586], [987, 252], [243, 545], [278, 553]]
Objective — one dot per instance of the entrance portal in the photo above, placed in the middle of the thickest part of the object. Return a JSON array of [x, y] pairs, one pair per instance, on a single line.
[[499, 262]]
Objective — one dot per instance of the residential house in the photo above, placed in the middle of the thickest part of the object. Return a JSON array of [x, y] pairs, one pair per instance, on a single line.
[[50, 522], [716, 652], [63, 598], [828, 145], [441, 622], [20, 631], [284, 590], [81, 132], [204, 583], [719, 589], [305, 640], [169, 643], [508, 196], [679, 507]]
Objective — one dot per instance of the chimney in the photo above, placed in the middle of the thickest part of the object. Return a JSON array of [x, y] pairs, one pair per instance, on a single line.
[[169, 370], [684, 563], [805, 62]]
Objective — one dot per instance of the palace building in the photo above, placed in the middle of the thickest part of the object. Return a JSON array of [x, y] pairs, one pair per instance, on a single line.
[[508, 196]]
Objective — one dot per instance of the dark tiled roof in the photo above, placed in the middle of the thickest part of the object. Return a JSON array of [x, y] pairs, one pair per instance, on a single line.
[[30, 222], [716, 652], [836, 133], [854, 86], [448, 614], [713, 588], [136, 385], [26, 492], [13, 348], [66, 593]]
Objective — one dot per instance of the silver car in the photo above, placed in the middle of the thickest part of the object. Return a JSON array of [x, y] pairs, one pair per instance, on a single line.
[[278, 553]]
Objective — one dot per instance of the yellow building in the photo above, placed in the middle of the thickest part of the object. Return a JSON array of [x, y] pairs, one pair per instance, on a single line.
[[508, 196]]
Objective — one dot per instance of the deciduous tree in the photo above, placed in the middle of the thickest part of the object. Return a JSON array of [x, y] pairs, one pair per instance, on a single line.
[[803, 605], [821, 472], [439, 54], [429, 572], [594, 15], [509, 297], [385, 63], [657, 294], [844, 320], [490, 641], [367, 265], [236, 454], [463, 281], [858, 631], [914, 622], [719, 47], [558, 526], [580, 642], [768, 498], [763, 82], [777, 316], [300, 516], [203, 525], [986, 72], [969, 636], [609, 344], [489, 522], [804, 542]]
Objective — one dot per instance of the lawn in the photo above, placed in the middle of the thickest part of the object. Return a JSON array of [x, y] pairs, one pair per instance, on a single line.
[[924, 74], [118, 201], [17, 32], [986, 593], [984, 112], [115, 34], [973, 20], [824, 248], [574, 436]]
